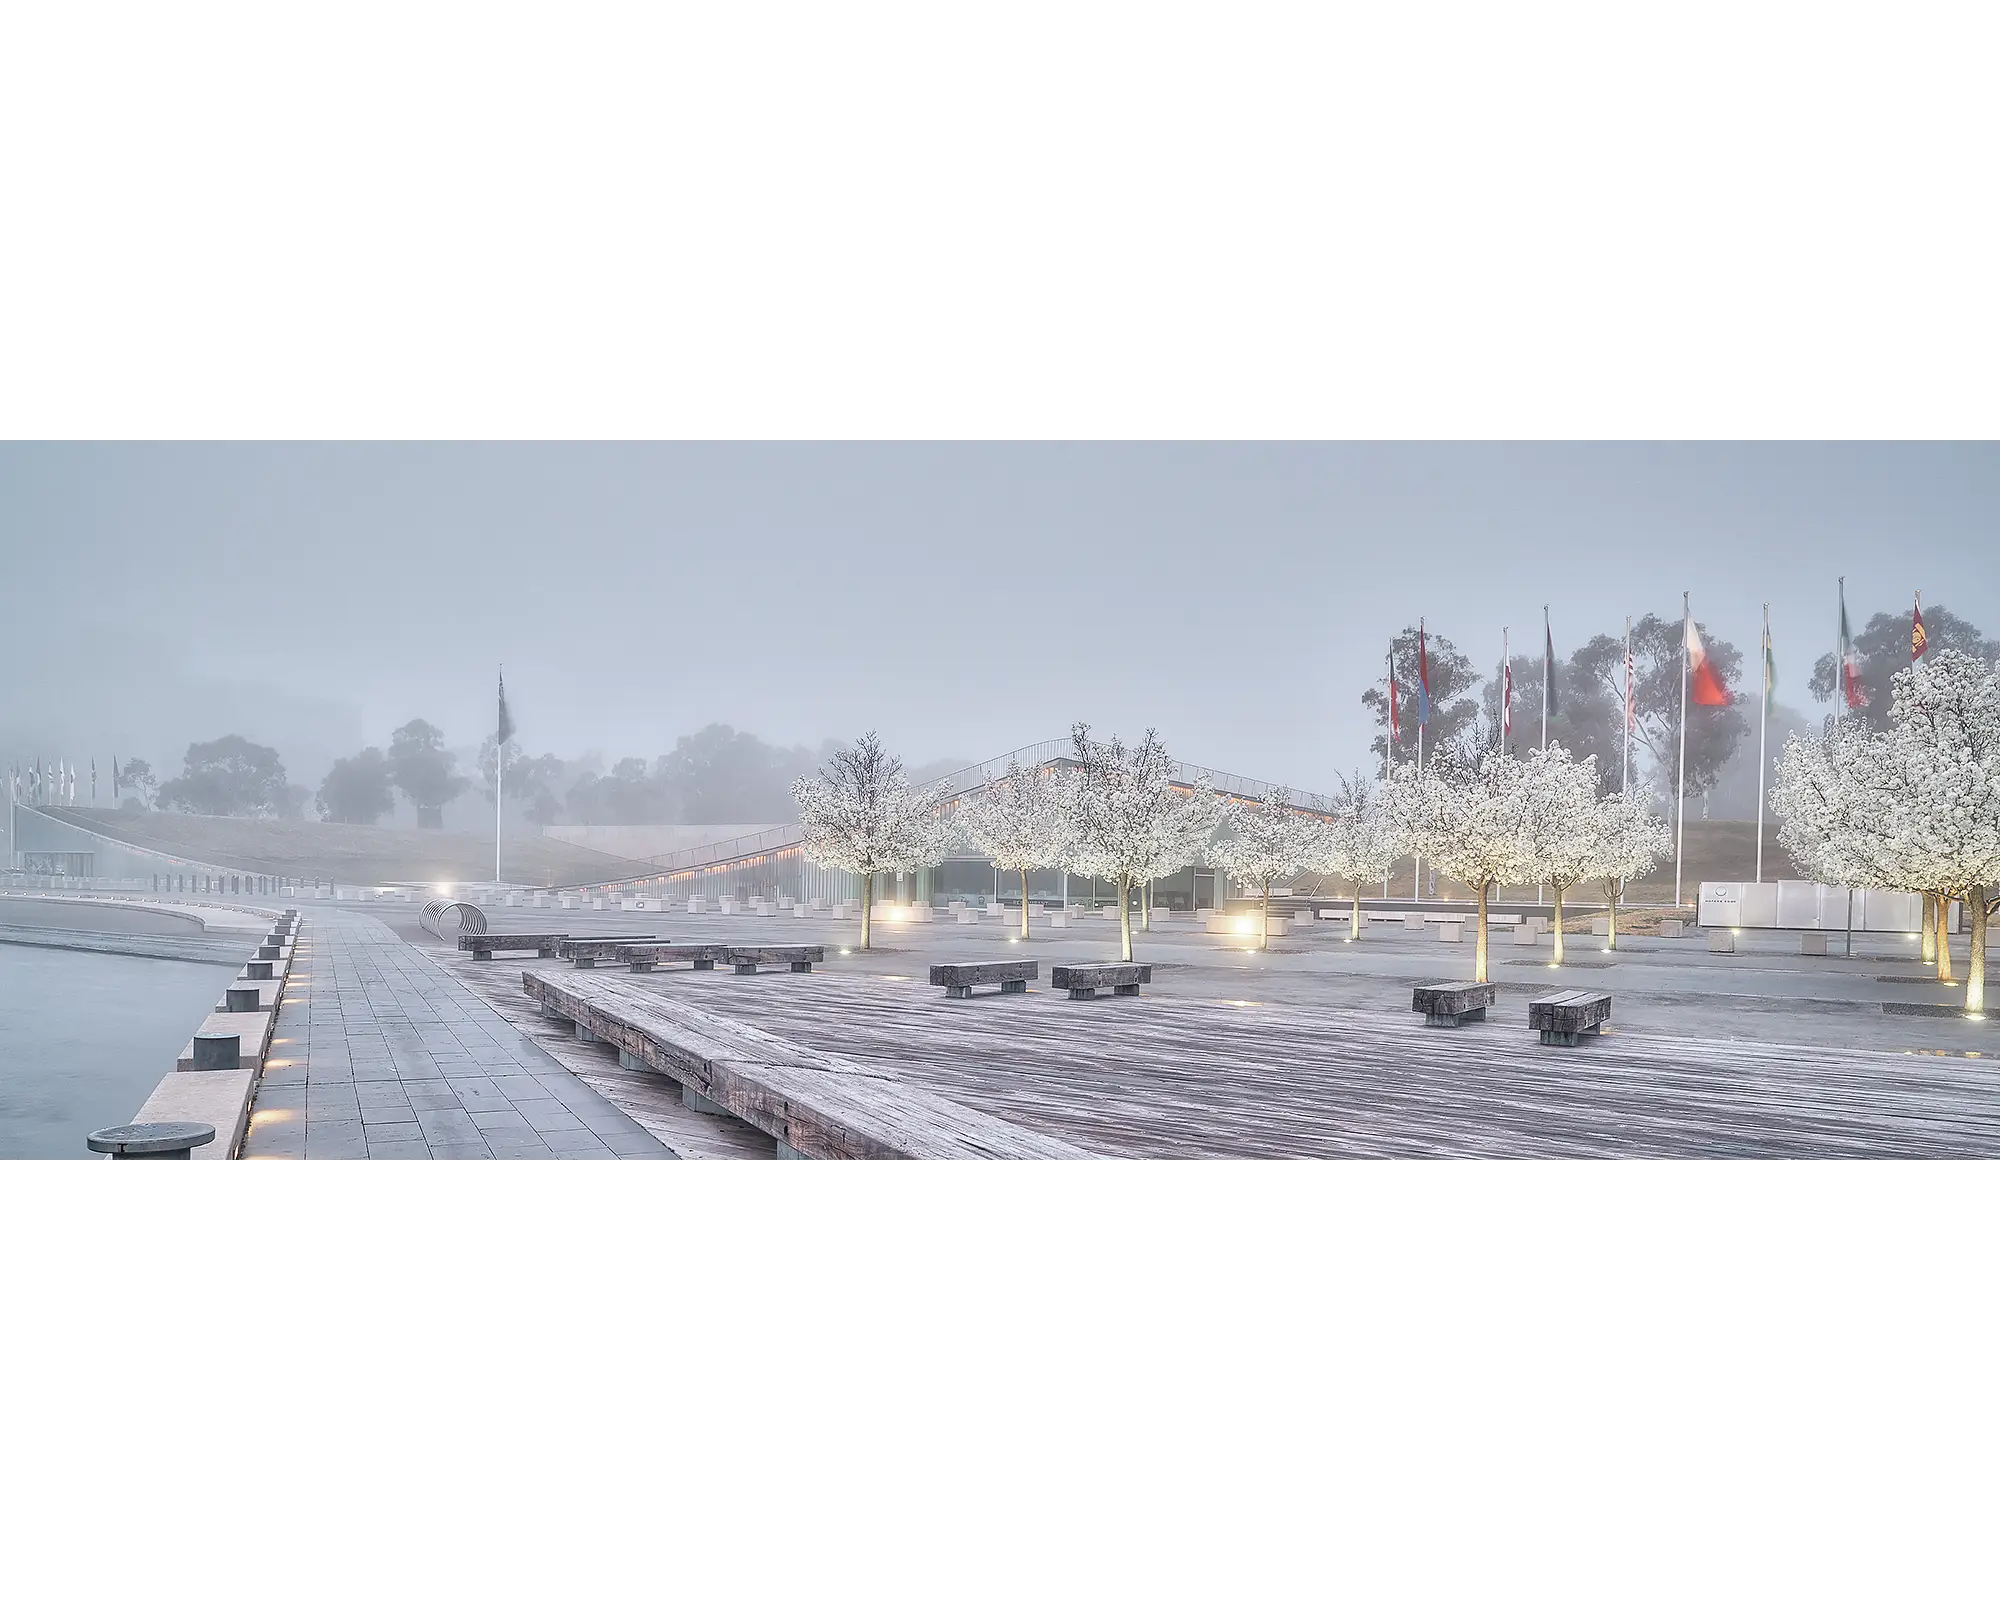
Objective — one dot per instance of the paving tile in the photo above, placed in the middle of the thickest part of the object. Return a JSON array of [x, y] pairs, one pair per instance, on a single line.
[[439, 1125], [561, 1140], [460, 1152], [393, 1132], [389, 1116], [546, 1116], [637, 1143], [401, 1150], [508, 1121]]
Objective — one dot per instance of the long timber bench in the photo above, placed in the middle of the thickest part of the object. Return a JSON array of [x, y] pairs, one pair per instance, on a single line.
[[645, 957], [959, 977], [585, 952], [1084, 980], [812, 1102], [1568, 1016], [792, 957], [482, 945]]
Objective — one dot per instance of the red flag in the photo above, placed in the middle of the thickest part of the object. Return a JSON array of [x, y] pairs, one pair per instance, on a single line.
[[1706, 687], [1919, 642]]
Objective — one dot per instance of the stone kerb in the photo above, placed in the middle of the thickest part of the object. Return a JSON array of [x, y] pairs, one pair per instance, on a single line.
[[215, 1075]]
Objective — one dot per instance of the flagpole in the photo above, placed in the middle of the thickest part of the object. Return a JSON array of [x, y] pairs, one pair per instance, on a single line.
[[1680, 780], [499, 776], [1763, 727], [1388, 749], [1506, 700], [1625, 781], [1548, 665], [1840, 658], [1424, 707]]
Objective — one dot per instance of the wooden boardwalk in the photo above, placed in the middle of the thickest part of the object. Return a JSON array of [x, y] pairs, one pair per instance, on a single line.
[[1162, 1076]]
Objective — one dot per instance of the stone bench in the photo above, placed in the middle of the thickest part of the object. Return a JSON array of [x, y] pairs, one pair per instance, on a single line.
[[482, 945], [1568, 1015], [747, 958], [585, 952], [644, 957], [1446, 1005], [959, 977], [1083, 981]]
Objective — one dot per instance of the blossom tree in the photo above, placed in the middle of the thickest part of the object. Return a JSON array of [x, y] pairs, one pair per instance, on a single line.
[[1267, 842], [1471, 821], [1631, 839], [1916, 808], [1020, 822], [1560, 824], [1118, 797], [1361, 842], [1181, 833], [1944, 718], [860, 815]]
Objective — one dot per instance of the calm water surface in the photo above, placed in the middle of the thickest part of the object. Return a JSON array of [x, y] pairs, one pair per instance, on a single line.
[[85, 1037]]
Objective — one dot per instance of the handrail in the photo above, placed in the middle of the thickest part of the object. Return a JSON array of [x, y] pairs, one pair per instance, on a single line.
[[952, 786]]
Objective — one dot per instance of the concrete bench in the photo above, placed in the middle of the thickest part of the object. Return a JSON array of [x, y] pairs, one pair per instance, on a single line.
[[586, 951], [959, 977], [1568, 1015], [1446, 1005], [747, 958], [482, 945], [1083, 981], [646, 956]]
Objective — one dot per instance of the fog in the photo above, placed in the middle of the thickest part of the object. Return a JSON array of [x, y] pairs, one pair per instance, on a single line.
[[964, 599]]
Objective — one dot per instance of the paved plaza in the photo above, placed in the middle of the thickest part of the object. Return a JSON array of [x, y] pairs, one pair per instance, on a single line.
[[381, 1055], [394, 1044]]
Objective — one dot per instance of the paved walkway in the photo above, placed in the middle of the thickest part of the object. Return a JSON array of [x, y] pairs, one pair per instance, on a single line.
[[381, 1054]]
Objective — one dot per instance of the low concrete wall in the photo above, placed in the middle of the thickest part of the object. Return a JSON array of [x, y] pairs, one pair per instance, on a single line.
[[221, 1096]]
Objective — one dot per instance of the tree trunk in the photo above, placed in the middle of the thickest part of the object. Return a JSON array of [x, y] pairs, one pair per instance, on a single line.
[[1264, 927], [1611, 906], [1930, 929], [1146, 906], [867, 904], [1355, 931], [1024, 905], [1559, 924], [1944, 939], [1125, 917], [1479, 941], [1975, 971]]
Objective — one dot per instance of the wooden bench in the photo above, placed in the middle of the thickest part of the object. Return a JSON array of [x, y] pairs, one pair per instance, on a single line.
[[586, 952], [1083, 982], [812, 1102], [795, 957], [958, 977], [1446, 1005], [1568, 1015], [645, 957], [482, 945]]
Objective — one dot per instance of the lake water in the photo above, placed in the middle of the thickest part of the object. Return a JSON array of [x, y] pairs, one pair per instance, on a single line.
[[85, 1037]]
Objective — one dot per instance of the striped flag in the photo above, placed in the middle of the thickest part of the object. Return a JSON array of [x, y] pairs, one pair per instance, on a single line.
[[1850, 663], [1423, 678], [1549, 664], [1631, 681], [1770, 673], [1395, 723], [1703, 683], [1919, 642], [1507, 700]]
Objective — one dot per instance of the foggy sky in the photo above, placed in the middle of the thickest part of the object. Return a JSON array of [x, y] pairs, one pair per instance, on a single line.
[[964, 599]]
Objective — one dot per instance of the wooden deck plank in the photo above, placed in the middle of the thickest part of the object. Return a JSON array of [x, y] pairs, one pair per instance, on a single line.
[[1175, 1077]]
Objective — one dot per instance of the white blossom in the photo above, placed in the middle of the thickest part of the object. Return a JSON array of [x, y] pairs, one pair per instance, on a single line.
[[860, 815], [1472, 822], [1268, 841], [1020, 822], [1560, 823], [1361, 841], [1631, 838], [1118, 803]]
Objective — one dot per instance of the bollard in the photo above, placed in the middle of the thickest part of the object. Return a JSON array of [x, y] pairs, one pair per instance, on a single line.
[[152, 1141], [216, 1052], [270, 952], [239, 998], [258, 971]]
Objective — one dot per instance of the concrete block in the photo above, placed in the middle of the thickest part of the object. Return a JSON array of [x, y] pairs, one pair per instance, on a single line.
[[1813, 944], [1451, 933], [1722, 941], [1524, 933], [221, 1099], [966, 916], [1302, 919], [1670, 928], [1413, 921], [1058, 919], [1600, 927]]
